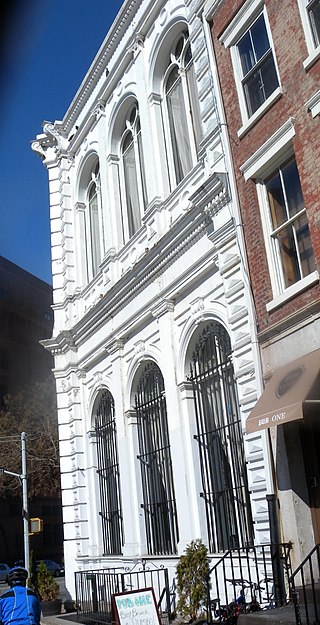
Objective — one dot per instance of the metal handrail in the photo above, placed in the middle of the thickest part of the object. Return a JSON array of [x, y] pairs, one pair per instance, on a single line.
[[253, 564], [308, 574]]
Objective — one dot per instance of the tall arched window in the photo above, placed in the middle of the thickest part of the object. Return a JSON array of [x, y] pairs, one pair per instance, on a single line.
[[135, 198], [92, 223], [182, 110], [219, 436], [109, 478], [159, 503]]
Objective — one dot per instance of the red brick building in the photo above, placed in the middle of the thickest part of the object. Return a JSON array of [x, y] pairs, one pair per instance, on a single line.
[[267, 57]]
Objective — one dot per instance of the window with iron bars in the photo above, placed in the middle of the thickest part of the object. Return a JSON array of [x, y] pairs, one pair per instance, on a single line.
[[109, 478], [159, 503], [220, 441]]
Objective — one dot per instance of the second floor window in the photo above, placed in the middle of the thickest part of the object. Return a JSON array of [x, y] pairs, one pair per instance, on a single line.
[[258, 71], [135, 197], [290, 236]]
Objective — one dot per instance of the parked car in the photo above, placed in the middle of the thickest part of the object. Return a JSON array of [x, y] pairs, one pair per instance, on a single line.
[[52, 566], [4, 570]]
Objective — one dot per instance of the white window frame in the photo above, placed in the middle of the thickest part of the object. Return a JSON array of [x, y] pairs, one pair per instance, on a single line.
[[132, 128], [91, 260], [94, 226], [313, 50], [187, 101], [274, 152], [242, 21]]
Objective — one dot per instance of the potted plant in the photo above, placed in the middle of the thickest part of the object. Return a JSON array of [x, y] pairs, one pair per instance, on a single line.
[[192, 568], [48, 591]]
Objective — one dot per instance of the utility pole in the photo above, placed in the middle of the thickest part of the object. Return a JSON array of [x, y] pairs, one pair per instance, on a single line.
[[25, 512]]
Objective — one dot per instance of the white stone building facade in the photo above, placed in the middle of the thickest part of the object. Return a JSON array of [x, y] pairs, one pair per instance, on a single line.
[[156, 361]]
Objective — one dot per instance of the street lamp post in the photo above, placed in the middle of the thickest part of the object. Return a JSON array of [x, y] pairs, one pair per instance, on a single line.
[[25, 513]]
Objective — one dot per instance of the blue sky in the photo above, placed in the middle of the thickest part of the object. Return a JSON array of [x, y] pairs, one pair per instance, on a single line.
[[47, 46]]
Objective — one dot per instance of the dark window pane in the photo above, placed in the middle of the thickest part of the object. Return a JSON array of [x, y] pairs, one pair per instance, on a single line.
[[253, 45], [292, 185], [246, 53], [288, 255], [260, 84], [260, 37], [304, 245], [276, 201]]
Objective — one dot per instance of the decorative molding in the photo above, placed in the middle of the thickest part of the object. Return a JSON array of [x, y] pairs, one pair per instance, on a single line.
[[99, 109], [114, 346], [162, 307], [254, 164], [240, 21], [140, 347], [210, 8]]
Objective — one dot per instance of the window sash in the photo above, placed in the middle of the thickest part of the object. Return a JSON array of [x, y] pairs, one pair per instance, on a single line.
[[260, 83], [313, 9], [257, 65], [290, 236]]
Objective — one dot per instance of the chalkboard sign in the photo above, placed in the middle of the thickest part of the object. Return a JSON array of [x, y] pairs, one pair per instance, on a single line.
[[135, 608]]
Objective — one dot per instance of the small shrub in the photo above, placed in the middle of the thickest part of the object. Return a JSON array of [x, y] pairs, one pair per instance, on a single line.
[[47, 587], [191, 570]]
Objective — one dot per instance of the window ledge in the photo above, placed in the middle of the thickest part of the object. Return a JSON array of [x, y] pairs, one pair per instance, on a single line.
[[293, 290], [313, 105], [276, 95], [312, 58]]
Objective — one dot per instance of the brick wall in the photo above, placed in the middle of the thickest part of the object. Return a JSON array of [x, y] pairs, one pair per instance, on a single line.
[[298, 85]]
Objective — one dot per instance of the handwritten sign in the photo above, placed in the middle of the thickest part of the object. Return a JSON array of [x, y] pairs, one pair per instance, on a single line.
[[136, 608]]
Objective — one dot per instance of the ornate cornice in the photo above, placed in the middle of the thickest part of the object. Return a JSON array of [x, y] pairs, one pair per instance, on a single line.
[[101, 61], [60, 344], [50, 145], [162, 308]]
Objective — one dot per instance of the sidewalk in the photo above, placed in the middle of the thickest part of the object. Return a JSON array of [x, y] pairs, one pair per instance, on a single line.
[[61, 619]]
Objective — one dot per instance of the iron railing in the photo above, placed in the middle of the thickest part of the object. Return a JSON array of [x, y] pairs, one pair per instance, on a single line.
[[305, 589], [94, 590], [263, 569], [220, 441], [109, 476], [159, 503]]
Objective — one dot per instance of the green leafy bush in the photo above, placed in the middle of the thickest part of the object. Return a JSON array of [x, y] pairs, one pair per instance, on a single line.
[[47, 587], [191, 570]]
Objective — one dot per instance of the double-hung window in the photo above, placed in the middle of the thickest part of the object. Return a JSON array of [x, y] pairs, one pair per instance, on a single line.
[[289, 230], [310, 18], [287, 238], [249, 38], [258, 71]]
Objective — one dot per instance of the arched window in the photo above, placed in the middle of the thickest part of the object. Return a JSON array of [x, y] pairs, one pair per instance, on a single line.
[[159, 503], [92, 223], [182, 110], [134, 198], [219, 436], [109, 479]]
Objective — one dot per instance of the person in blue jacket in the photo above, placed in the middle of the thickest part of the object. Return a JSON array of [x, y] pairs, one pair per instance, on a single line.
[[19, 605]]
